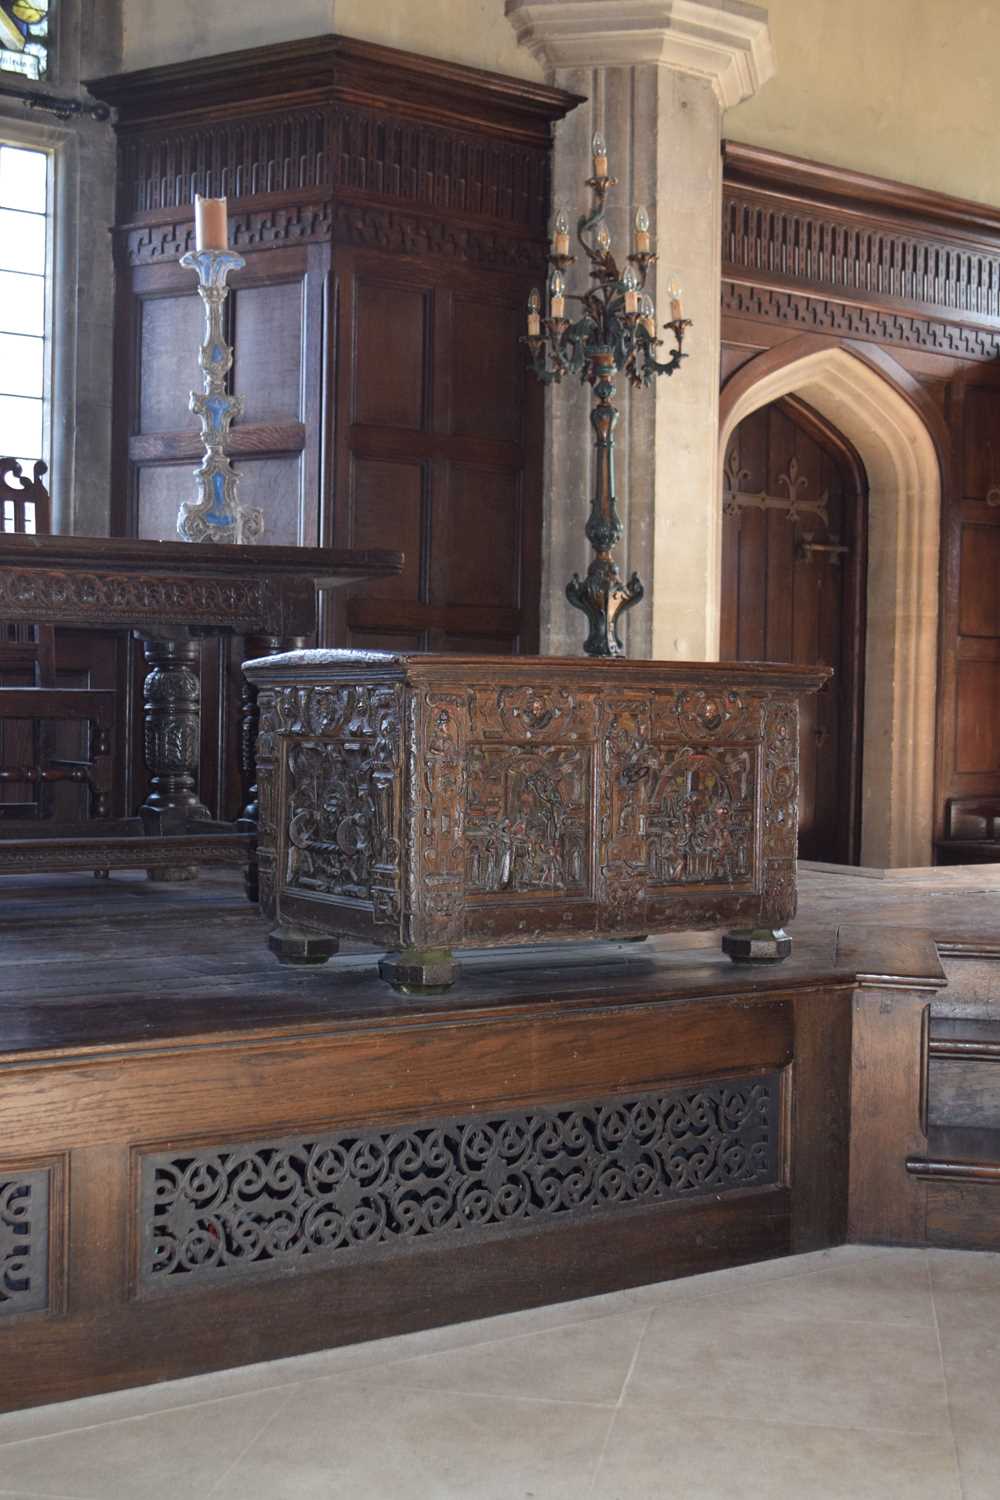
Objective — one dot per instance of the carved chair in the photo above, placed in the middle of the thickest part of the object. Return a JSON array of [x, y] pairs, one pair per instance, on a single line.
[[30, 700]]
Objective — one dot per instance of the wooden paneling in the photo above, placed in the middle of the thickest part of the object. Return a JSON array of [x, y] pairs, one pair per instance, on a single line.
[[441, 452], [170, 332], [979, 585], [266, 330], [977, 744], [392, 338]]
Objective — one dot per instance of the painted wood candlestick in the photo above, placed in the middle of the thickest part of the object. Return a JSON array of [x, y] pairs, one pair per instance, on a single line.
[[217, 515]]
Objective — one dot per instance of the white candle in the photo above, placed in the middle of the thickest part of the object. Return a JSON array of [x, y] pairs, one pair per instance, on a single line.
[[211, 224]]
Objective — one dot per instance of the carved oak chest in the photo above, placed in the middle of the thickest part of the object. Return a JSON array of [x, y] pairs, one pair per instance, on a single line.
[[431, 802]]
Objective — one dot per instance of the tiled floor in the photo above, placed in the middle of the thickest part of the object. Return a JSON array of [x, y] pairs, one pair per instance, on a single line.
[[855, 1374]]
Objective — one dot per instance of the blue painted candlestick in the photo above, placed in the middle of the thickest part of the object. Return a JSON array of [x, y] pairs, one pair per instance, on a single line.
[[217, 516]]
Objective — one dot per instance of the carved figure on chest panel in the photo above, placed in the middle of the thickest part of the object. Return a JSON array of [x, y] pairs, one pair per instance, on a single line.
[[527, 819], [701, 815]]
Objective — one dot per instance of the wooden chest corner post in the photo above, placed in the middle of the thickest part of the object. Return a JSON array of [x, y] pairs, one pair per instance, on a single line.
[[430, 802]]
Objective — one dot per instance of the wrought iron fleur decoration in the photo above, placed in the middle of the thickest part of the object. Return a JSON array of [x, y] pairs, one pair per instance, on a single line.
[[615, 334], [217, 515]]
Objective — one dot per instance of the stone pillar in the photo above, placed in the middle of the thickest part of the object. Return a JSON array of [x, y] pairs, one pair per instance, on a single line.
[[658, 77]]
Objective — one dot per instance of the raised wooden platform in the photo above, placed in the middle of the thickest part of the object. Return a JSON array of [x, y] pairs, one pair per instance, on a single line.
[[210, 1160]]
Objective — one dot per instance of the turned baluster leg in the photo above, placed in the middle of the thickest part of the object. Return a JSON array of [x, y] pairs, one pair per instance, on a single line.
[[171, 741], [254, 646]]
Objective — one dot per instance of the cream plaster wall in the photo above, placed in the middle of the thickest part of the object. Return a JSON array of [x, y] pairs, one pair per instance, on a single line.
[[907, 89], [475, 32]]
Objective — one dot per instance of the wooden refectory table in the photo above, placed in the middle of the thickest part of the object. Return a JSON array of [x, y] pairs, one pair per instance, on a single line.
[[171, 595]]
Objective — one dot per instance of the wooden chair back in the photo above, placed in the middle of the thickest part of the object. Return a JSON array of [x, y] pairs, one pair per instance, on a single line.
[[25, 505], [26, 651]]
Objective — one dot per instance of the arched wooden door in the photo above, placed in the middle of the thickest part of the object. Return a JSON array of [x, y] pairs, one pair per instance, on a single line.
[[793, 590]]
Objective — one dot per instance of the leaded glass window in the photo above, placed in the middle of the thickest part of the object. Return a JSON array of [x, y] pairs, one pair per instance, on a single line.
[[24, 240], [24, 37]]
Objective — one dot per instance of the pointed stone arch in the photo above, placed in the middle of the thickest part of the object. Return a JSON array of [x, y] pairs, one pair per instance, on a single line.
[[902, 441]]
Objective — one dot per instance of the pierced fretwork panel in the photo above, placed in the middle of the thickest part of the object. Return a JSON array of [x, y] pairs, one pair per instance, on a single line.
[[314, 1201], [24, 1241]]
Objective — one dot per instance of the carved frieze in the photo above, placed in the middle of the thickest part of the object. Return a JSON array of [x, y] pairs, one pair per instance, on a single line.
[[856, 255], [53, 595], [851, 320], [216, 1213]]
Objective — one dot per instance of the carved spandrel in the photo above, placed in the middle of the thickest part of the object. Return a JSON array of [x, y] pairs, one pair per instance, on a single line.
[[527, 819]]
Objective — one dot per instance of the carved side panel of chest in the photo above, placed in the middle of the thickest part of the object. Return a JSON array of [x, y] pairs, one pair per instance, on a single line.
[[335, 755]]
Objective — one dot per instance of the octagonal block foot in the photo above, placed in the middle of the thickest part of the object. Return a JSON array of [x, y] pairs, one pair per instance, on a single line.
[[757, 945], [293, 946], [420, 971]]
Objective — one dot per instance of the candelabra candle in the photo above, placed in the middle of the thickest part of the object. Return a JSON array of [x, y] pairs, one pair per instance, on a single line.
[[614, 334], [217, 515]]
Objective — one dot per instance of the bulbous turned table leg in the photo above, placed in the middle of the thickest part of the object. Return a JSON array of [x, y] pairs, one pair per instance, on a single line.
[[757, 945], [171, 742], [420, 971]]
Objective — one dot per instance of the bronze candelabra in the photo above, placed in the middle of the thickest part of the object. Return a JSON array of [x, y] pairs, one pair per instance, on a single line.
[[615, 334]]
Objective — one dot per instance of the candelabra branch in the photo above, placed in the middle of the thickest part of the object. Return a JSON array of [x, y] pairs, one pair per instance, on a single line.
[[217, 515]]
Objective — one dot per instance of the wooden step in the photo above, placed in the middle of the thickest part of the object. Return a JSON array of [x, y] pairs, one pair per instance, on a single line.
[[959, 1153], [975, 1041]]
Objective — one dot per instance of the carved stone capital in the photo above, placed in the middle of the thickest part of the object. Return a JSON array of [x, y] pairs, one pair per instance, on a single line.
[[725, 41]]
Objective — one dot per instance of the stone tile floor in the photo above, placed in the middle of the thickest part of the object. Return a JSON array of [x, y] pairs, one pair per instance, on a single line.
[[851, 1374]]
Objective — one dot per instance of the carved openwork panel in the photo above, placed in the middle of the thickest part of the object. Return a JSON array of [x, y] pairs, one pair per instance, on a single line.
[[340, 829], [313, 1201], [527, 819], [24, 1241]]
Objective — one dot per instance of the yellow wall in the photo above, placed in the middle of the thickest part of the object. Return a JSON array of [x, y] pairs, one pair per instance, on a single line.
[[908, 89], [467, 31], [903, 88], [475, 32]]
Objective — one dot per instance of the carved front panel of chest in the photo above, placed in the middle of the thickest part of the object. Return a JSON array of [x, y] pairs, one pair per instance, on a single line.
[[527, 820], [700, 819]]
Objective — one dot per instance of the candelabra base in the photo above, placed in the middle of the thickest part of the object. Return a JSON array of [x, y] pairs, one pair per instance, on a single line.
[[603, 598]]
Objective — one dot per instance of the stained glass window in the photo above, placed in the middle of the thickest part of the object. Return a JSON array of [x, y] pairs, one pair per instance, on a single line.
[[24, 37], [24, 238]]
